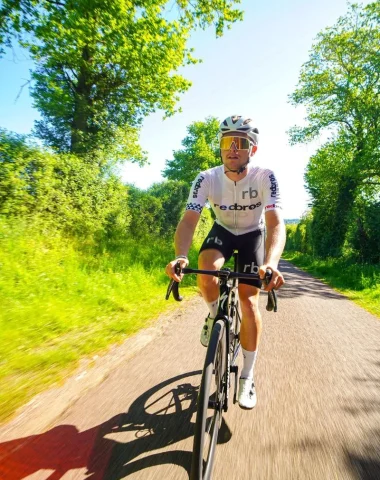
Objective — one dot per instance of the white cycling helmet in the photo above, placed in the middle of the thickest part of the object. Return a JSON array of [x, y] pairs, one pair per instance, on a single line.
[[237, 123]]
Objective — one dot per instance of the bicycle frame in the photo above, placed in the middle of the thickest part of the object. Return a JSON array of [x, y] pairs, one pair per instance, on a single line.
[[225, 313]]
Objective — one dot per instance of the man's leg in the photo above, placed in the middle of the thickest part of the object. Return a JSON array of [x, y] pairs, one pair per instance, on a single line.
[[210, 259], [250, 334], [251, 325]]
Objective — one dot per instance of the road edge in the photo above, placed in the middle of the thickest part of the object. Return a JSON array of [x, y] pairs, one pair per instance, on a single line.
[[45, 408]]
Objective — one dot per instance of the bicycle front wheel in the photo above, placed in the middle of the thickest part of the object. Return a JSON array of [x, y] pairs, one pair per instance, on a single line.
[[210, 404]]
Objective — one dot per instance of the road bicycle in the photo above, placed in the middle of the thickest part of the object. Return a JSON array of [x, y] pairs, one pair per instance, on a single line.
[[220, 363]]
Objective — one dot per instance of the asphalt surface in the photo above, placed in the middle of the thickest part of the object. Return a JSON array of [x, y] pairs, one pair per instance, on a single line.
[[317, 416]]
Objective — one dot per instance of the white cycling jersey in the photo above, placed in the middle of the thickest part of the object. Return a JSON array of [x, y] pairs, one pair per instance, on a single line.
[[238, 206]]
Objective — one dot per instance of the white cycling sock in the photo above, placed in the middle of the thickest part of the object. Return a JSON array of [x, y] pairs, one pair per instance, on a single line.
[[249, 363], [213, 307]]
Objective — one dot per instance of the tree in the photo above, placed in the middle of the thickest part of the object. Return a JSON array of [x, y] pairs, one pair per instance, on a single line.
[[339, 86], [329, 181], [156, 212], [201, 151], [364, 231], [298, 235], [173, 196], [146, 212], [103, 65]]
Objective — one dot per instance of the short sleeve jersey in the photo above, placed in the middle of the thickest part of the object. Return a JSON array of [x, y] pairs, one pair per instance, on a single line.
[[238, 206]]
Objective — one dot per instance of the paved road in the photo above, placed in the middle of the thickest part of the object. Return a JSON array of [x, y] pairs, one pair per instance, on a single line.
[[317, 417]]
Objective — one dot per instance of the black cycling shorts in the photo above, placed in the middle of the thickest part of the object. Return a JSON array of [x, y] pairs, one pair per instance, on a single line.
[[249, 245]]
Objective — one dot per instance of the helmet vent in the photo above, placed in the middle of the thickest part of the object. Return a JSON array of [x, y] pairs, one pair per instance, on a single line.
[[238, 123]]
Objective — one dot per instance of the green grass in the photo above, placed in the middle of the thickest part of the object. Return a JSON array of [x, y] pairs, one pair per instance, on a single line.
[[360, 283], [62, 301]]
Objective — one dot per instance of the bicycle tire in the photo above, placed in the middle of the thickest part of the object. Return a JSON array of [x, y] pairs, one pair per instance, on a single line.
[[206, 428]]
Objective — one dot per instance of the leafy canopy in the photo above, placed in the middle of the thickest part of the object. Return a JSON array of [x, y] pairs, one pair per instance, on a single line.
[[339, 84], [103, 65], [200, 152]]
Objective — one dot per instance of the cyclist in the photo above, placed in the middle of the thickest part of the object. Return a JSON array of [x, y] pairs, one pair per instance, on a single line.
[[246, 202]]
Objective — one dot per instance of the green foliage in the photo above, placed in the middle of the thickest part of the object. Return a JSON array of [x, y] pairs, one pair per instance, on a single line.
[[339, 83], [205, 223], [330, 178], [146, 213], [78, 198], [173, 196], [364, 234], [339, 86], [299, 236], [314, 234], [62, 190], [200, 152], [290, 241], [63, 299], [156, 212], [103, 65]]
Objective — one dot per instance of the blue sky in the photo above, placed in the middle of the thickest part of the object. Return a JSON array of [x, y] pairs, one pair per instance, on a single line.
[[250, 71]]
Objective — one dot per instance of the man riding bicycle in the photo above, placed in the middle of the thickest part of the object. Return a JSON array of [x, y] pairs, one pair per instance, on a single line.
[[246, 202]]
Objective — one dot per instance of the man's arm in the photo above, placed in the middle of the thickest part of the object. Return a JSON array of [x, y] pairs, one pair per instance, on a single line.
[[182, 241], [274, 246], [185, 232]]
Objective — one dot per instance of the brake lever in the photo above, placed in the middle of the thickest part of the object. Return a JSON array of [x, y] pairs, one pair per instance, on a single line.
[[272, 295], [173, 286]]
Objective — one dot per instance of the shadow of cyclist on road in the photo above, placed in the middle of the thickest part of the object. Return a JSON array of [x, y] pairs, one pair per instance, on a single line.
[[161, 417]]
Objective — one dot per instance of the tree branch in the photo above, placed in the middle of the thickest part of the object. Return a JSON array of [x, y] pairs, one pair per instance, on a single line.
[[21, 89], [70, 82], [53, 2], [340, 120]]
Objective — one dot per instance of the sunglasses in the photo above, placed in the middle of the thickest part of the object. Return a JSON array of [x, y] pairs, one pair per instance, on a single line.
[[240, 143]]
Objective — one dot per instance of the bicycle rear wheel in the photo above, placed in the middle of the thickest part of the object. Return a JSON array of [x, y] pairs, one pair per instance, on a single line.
[[210, 404]]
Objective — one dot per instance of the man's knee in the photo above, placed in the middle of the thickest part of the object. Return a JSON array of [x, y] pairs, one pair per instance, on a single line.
[[249, 297], [209, 260]]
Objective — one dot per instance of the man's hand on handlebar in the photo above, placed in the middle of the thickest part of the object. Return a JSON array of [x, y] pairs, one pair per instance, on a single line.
[[277, 278], [170, 268]]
